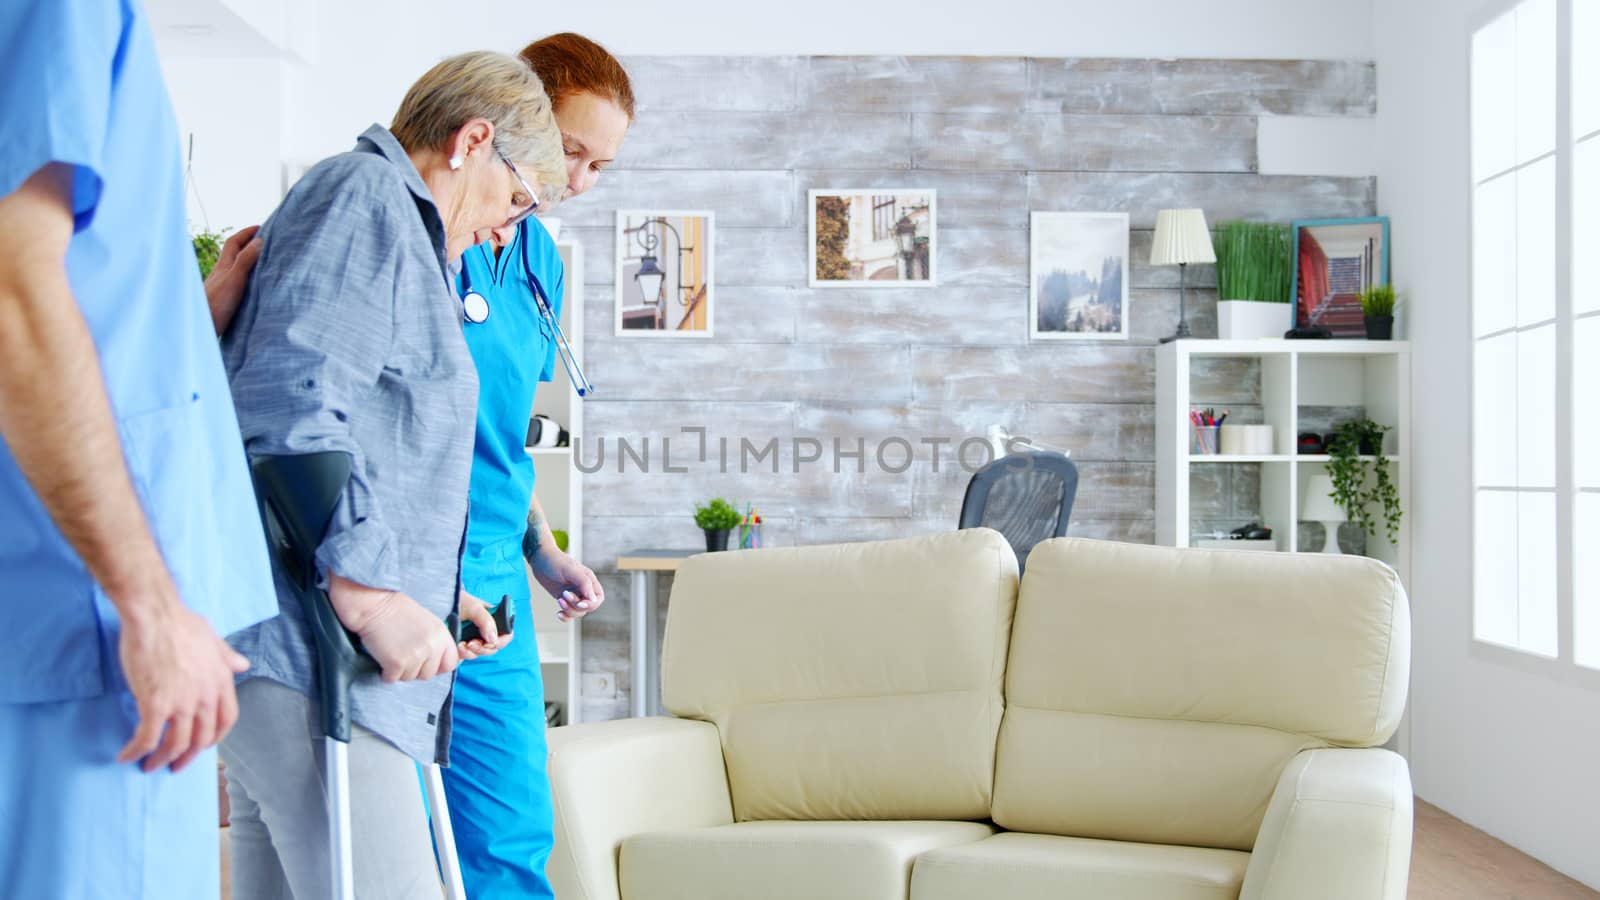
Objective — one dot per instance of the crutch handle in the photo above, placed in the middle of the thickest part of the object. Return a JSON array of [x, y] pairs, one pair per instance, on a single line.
[[297, 495], [505, 619]]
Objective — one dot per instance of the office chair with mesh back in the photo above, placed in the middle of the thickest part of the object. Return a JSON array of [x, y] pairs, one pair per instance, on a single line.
[[1026, 496]]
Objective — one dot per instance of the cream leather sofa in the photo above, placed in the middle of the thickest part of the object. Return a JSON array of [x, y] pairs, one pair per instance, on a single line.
[[899, 720]]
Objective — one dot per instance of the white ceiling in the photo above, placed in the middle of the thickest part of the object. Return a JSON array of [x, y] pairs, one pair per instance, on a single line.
[[208, 28]]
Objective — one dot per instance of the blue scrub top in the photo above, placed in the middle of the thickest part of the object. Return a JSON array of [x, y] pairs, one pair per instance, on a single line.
[[81, 85], [514, 350]]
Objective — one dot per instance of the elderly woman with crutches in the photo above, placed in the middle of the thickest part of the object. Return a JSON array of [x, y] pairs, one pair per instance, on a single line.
[[349, 341]]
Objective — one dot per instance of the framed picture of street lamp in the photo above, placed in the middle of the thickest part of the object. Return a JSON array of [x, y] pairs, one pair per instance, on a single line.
[[664, 273], [879, 237], [1078, 283]]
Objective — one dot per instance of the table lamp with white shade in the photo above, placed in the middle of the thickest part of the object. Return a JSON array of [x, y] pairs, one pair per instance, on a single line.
[[1181, 238], [1318, 505]]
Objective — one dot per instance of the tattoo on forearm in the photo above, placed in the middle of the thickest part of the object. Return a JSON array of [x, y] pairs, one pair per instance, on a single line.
[[530, 538]]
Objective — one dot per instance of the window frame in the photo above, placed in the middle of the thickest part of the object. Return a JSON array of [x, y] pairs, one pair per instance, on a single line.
[[1563, 666]]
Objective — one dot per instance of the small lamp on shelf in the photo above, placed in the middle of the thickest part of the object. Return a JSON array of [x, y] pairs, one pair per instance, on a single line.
[[1318, 506], [1181, 238]]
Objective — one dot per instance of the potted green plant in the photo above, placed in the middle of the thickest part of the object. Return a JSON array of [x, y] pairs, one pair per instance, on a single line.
[[207, 248], [1377, 310], [717, 519], [1253, 265], [1361, 479]]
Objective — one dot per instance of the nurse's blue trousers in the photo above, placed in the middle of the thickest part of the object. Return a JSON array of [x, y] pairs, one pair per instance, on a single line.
[[496, 784]]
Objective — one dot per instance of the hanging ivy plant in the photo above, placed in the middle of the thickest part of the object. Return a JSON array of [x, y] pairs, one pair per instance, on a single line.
[[1356, 487]]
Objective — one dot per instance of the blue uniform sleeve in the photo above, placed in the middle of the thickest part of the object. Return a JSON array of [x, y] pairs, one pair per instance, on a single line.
[[60, 59], [320, 327]]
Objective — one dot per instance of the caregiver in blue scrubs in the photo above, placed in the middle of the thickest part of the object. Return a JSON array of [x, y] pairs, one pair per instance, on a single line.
[[497, 787], [129, 539]]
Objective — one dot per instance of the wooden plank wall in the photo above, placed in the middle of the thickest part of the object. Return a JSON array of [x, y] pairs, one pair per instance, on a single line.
[[748, 136]]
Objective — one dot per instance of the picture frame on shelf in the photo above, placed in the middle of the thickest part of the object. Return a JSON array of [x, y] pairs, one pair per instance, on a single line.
[[1078, 276], [1334, 261], [873, 237], [665, 279]]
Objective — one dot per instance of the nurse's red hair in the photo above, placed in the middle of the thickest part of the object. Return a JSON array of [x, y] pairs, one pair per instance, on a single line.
[[570, 64]]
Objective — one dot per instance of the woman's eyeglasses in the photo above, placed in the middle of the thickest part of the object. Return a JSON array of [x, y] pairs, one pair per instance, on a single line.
[[530, 200]]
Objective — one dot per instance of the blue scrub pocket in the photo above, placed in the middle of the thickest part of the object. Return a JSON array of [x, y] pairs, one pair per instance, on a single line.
[[173, 473]]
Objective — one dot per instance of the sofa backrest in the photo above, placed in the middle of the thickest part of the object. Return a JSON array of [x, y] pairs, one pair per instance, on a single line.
[[1155, 694], [853, 681]]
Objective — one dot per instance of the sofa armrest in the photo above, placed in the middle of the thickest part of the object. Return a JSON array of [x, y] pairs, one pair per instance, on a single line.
[[1338, 826], [612, 780]]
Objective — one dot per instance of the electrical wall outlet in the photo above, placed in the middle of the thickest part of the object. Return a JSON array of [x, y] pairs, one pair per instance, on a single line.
[[600, 685]]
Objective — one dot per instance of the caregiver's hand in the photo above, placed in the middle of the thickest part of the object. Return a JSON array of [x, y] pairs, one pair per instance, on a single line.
[[409, 643], [181, 675], [477, 612], [225, 285], [574, 586]]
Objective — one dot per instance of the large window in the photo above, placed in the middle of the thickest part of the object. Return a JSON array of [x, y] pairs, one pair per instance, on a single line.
[[1536, 330]]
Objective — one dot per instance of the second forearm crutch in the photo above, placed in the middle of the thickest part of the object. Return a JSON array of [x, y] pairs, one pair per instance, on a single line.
[[297, 495]]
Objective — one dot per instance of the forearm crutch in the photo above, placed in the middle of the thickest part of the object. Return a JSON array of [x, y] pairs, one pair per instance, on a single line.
[[297, 495]]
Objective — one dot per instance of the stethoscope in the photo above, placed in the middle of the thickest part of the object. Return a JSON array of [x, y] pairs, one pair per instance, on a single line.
[[475, 311]]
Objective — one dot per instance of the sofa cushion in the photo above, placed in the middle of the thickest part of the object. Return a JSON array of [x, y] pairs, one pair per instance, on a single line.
[[1046, 867], [856, 681], [785, 860], [1155, 694]]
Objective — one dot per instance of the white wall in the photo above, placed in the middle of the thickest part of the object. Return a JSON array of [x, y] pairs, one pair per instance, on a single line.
[[1508, 749], [233, 107], [343, 65]]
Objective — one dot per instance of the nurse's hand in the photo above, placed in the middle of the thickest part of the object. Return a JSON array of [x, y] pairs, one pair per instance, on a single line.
[[477, 612], [408, 642], [181, 676], [574, 586], [226, 283]]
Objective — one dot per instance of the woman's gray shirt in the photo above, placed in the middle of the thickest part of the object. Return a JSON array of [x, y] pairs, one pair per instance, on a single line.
[[349, 339]]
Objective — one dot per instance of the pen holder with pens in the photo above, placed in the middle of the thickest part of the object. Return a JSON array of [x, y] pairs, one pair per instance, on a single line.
[[750, 531], [1205, 439]]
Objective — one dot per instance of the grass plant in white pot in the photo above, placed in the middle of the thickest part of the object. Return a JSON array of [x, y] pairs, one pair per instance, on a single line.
[[1253, 260]]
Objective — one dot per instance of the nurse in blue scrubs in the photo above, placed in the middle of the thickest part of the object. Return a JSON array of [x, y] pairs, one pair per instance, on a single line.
[[497, 788], [129, 540]]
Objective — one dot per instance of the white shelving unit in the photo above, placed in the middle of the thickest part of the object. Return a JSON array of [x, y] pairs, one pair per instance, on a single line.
[[559, 487], [1374, 375]]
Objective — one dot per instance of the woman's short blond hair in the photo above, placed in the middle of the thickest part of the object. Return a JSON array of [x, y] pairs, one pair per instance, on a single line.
[[494, 86]]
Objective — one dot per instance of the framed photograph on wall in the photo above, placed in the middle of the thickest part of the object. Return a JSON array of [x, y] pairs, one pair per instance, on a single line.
[[879, 237], [664, 273], [1334, 261], [1078, 279]]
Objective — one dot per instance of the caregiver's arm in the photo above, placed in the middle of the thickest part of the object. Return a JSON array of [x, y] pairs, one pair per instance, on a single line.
[[575, 587], [57, 423], [226, 283], [319, 337]]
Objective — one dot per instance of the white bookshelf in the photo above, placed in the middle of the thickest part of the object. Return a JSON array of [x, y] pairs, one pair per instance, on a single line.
[[559, 487], [1374, 375]]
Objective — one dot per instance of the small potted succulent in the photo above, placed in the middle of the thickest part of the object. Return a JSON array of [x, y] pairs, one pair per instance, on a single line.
[[1377, 308], [717, 519]]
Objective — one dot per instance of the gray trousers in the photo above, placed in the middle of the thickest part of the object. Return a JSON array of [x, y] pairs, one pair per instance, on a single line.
[[278, 832]]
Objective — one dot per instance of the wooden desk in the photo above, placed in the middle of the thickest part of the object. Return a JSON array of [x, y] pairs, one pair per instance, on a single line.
[[643, 567]]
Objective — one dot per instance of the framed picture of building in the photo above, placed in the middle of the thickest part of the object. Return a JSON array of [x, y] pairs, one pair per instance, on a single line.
[[879, 237], [1334, 261], [664, 273], [1078, 283]]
